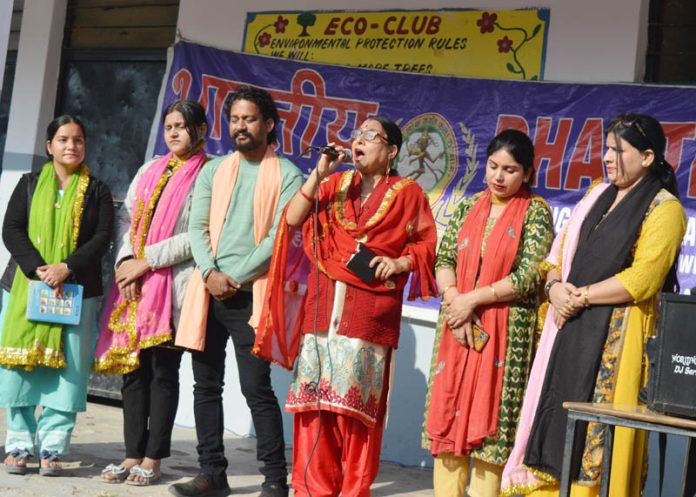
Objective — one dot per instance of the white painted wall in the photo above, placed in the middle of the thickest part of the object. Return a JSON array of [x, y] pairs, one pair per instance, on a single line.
[[33, 94], [5, 22], [589, 41]]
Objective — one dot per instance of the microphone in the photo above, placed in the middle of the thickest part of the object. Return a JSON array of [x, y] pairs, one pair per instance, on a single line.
[[333, 153]]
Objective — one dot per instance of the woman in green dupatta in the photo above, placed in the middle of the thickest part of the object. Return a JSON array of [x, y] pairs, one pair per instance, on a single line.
[[57, 227]]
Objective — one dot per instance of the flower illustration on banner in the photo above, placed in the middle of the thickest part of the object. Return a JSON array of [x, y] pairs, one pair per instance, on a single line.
[[504, 44], [264, 39], [280, 24], [489, 23]]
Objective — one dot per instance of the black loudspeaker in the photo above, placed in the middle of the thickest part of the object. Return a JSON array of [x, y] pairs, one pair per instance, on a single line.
[[672, 356]]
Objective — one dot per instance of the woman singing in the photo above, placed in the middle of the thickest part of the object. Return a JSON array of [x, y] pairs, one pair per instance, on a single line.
[[352, 315]]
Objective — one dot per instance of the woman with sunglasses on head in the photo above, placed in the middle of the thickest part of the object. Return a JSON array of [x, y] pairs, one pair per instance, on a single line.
[[605, 273], [153, 266], [349, 323], [57, 229], [488, 268]]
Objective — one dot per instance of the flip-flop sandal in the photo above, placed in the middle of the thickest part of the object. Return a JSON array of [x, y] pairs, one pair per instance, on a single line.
[[50, 457], [149, 477], [19, 455], [114, 474]]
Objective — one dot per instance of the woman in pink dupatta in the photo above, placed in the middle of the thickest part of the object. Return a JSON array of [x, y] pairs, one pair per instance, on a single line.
[[605, 275], [153, 265], [516, 477]]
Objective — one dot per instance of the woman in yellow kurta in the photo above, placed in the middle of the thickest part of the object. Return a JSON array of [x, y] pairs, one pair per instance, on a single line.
[[605, 272]]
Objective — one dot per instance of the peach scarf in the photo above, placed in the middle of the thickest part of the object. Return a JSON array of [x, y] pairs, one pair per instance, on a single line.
[[194, 312]]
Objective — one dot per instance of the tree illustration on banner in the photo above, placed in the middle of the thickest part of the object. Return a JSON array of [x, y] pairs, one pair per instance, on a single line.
[[306, 20]]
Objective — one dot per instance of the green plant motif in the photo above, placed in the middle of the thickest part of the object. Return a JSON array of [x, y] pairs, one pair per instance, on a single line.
[[489, 22], [305, 20]]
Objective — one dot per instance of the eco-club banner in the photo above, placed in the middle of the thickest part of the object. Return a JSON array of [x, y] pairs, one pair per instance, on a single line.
[[447, 123], [503, 44]]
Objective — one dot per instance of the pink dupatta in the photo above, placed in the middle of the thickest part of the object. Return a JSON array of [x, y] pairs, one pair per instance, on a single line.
[[122, 337], [517, 479]]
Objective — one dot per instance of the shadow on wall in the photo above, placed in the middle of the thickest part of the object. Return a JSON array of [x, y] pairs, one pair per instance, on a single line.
[[402, 438], [237, 417]]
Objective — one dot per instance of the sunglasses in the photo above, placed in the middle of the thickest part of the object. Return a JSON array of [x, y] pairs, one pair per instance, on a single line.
[[369, 135], [635, 126]]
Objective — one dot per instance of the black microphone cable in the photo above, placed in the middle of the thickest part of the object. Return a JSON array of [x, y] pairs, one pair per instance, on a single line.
[[313, 387]]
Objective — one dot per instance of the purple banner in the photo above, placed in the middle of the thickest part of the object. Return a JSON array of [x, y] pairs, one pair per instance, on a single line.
[[447, 123]]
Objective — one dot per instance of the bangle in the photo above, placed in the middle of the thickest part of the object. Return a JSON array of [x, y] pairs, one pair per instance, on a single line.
[[447, 288], [586, 296], [307, 197], [206, 273], [495, 294], [548, 285]]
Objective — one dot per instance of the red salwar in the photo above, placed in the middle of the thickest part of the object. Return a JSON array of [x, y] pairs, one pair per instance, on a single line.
[[346, 458], [395, 221]]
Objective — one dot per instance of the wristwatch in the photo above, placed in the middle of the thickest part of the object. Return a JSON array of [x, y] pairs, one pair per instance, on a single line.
[[548, 285]]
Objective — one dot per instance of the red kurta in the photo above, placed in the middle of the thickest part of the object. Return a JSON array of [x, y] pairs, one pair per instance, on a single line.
[[394, 221]]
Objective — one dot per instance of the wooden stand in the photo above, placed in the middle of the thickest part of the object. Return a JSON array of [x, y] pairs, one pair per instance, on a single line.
[[637, 417]]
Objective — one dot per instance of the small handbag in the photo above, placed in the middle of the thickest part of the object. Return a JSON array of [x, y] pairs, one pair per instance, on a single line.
[[45, 304]]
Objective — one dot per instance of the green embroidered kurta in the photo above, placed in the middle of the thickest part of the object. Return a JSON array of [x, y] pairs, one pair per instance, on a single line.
[[525, 279]]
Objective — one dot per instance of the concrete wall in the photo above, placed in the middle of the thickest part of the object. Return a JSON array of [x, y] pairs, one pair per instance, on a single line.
[[592, 40], [33, 95], [5, 23]]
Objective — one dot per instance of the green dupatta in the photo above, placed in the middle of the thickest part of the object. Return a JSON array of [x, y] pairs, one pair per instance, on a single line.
[[54, 224]]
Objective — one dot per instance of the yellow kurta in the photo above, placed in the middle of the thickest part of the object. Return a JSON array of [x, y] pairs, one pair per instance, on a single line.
[[653, 254]]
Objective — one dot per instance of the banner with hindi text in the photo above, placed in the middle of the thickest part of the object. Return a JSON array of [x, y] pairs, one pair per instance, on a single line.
[[447, 123]]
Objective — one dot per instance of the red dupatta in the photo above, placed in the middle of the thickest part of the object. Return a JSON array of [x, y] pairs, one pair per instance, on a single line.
[[466, 391], [396, 220]]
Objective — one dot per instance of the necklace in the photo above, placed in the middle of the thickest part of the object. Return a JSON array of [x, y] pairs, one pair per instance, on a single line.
[[498, 201]]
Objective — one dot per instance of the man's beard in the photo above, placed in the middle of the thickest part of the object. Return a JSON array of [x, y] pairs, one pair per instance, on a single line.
[[250, 144]]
